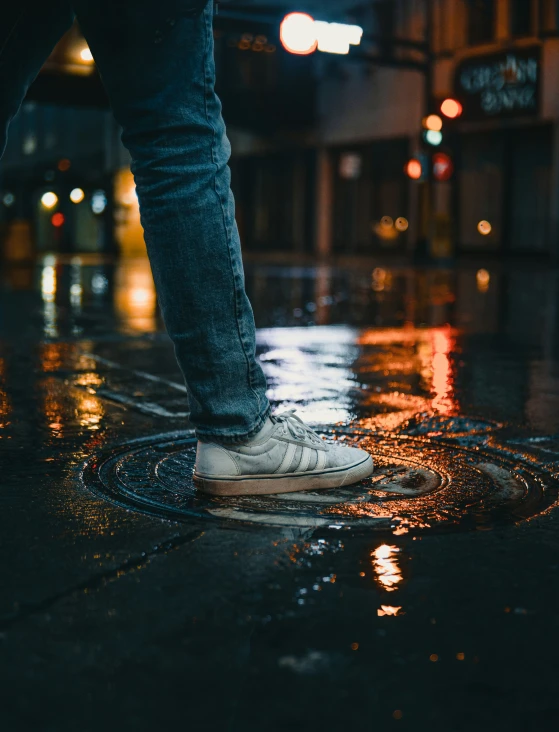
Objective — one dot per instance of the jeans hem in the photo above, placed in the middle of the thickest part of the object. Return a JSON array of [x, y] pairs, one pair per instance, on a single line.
[[225, 438]]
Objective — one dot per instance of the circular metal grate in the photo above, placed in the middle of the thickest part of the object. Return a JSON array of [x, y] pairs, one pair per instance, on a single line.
[[421, 483]]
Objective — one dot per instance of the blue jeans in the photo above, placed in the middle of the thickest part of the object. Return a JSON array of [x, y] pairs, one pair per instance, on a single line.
[[156, 61]]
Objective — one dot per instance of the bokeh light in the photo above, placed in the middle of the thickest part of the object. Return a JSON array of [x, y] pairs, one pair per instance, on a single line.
[[484, 227], [298, 34], [401, 223], [433, 122], [451, 108], [433, 137], [77, 195], [483, 278], [49, 199], [413, 169]]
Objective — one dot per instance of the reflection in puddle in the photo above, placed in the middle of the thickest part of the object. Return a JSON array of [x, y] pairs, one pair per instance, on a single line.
[[388, 575], [386, 571], [443, 344], [5, 406], [48, 293], [389, 610], [135, 299]]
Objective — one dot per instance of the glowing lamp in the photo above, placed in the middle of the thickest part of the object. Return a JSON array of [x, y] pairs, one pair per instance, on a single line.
[[413, 169], [337, 37], [451, 108], [433, 122], [49, 199], [298, 34], [433, 137], [57, 220], [77, 195]]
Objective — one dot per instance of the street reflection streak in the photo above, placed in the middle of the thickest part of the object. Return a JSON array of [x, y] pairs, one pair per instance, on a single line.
[[48, 293], [5, 407], [443, 378], [387, 572]]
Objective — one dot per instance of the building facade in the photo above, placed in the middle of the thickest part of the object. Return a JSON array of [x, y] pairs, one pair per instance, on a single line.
[[321, 142]]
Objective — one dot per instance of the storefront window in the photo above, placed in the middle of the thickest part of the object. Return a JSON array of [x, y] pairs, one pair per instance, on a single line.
[[371, 198], [504, 190], [481, 191], [530, 156]]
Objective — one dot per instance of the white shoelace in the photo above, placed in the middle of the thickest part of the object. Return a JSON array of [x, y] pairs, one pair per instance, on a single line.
[[296, 427]]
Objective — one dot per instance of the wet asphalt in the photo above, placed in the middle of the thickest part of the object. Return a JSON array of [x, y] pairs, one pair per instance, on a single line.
[[435, 613]]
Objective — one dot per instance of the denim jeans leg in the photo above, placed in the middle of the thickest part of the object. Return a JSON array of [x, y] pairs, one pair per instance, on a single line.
[[158, 69]]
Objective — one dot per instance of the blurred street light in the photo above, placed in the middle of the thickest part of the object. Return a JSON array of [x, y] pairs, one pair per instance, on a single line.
[[302, 35], [337, 37], [77, 195], [49, 199], [401, 224], [86, 55], [413, 169], [298, 34], [451, 108], [433, 137], [98, 202], [483, 278], [57, 220], [433, 122]]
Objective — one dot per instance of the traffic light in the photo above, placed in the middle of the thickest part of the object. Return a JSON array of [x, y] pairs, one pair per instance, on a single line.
[[443, 166], [432, 129]]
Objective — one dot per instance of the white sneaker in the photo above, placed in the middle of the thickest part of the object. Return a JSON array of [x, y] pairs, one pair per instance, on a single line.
[[285, 456]]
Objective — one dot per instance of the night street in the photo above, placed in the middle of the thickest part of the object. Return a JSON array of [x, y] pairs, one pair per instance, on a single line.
[[421, 599], [279, 365]]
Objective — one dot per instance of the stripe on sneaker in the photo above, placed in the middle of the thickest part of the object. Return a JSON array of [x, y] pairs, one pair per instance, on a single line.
[[287, 458], [321, 460], [305, 459]]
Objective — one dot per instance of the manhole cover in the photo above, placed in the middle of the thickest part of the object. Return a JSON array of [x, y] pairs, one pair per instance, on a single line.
[[419, 484], [448, 426]]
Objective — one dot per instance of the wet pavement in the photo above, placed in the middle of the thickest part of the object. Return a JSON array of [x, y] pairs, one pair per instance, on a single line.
[[423, 599]]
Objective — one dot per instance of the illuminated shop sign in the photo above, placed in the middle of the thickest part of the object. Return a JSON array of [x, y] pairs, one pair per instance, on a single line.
[[501, 85]]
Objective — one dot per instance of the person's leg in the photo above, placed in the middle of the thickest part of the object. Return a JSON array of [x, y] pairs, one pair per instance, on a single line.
[[28, 32], [156, 61]]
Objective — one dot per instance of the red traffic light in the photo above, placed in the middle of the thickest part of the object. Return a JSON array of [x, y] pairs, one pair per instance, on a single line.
[[57, 220], [443, 166]]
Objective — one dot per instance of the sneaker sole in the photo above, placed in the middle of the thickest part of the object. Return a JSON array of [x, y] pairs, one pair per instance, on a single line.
[[260, 485]]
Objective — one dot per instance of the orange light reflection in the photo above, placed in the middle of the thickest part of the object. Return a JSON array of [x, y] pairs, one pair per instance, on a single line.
[[5, 407], [386, 570], [443, 377]]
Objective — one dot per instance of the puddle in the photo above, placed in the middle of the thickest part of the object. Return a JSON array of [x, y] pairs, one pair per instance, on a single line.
[[420, 484]]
